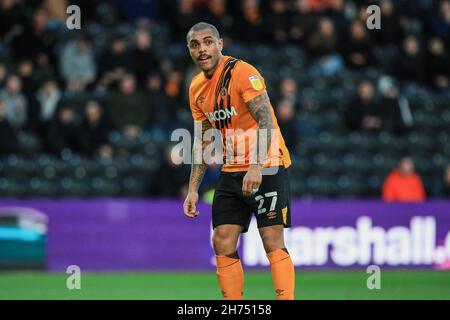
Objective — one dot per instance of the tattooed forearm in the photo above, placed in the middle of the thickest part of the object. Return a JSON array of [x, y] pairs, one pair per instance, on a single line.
[[199, 166], [197, 173], [260, 109]]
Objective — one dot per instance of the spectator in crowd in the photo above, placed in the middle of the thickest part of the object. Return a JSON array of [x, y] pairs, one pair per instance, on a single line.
[[278, 21], [128, 107], [336, 12], [302, 22], [394, 109], [77, 64], [288, 90], [95, 129], [117, 58], [8, 141], [442, 184], [144, 59], [34, 40], [48, 98], [186, 16], [403, 184], [438, 65], [391, 32], [217, 14], [16, 102], [56, 10], [161, 106], [364, 111], [323, 41], [12, 19], [440, 23], [288, 123], [251, 26], [387, 39], [361, 12], [64, 132], [3, 74], [322, 44], [409, 67], [25, 69], [358, 47], [174, 84], [308, 124], [172, 176]]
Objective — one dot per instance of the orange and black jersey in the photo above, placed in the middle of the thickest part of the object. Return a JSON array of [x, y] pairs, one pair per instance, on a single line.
[[222, 100]]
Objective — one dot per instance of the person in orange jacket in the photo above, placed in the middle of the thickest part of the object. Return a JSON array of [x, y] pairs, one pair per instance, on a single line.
[[403, 184]]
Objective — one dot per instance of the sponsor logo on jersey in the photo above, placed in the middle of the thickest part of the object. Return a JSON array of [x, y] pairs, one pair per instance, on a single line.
[[221, 114]]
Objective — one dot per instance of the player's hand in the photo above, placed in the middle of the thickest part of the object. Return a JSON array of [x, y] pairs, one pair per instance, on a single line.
[[252, 180], [189, 206]]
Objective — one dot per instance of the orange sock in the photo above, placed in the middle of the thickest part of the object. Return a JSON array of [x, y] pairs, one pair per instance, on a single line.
[[283, 274], [231, 277]]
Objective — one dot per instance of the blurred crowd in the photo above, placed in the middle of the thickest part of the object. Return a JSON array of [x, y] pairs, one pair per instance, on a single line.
[[72, 90]]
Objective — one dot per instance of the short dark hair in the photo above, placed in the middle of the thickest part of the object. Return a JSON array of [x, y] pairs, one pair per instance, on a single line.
[[202, 26]]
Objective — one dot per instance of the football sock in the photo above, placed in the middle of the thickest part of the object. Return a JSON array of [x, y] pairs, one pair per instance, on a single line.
[[231, 277], [283, 274]]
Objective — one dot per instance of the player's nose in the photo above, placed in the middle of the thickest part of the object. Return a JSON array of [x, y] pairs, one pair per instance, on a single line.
[[202, 48]]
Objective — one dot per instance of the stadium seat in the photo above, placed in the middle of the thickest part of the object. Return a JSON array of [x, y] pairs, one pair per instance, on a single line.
[[68, 187], [41, 187], [16, 166], [12, 187], [103, 187]]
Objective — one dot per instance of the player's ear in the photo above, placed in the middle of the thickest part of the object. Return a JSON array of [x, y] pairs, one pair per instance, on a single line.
[[220, 44]]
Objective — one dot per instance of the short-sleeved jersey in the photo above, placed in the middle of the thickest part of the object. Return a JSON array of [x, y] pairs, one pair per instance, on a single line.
[[222, 100]]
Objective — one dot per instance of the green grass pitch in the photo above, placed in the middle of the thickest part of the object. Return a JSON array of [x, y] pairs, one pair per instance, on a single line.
[[203, 286]]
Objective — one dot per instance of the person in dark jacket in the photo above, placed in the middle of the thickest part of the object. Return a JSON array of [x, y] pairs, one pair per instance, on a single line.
[[441, 186], [143, 56], [95, 130], [64, 132], [288, 125], [363, 112], [410, 65], [128, 107], [438, 65], [8, 141]]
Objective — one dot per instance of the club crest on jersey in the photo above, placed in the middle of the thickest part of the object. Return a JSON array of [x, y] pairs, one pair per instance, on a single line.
[[256, 82], [200, 100]]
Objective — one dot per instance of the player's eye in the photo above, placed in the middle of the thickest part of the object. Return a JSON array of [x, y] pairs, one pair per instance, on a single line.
[[194, 45], [208, 42]]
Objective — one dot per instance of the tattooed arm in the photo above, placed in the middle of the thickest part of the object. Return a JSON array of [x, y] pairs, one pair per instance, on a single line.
[[199, 166], [198, 169], [260, 109]]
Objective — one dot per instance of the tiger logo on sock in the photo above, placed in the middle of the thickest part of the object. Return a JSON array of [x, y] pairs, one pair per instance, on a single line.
[[279, 292]]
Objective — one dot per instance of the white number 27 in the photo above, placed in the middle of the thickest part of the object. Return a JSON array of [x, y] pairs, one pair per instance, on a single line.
[[261, 199]]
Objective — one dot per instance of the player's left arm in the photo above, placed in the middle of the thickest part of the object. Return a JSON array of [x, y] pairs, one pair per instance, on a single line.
[[260, 109]]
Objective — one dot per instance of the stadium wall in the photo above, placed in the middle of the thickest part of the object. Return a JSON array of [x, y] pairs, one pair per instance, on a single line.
[[140, 234]]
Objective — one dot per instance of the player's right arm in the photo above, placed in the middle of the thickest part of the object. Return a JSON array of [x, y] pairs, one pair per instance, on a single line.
[[198, 170]]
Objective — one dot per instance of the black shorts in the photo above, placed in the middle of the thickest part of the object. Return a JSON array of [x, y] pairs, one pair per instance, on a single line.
[[271, 204]]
